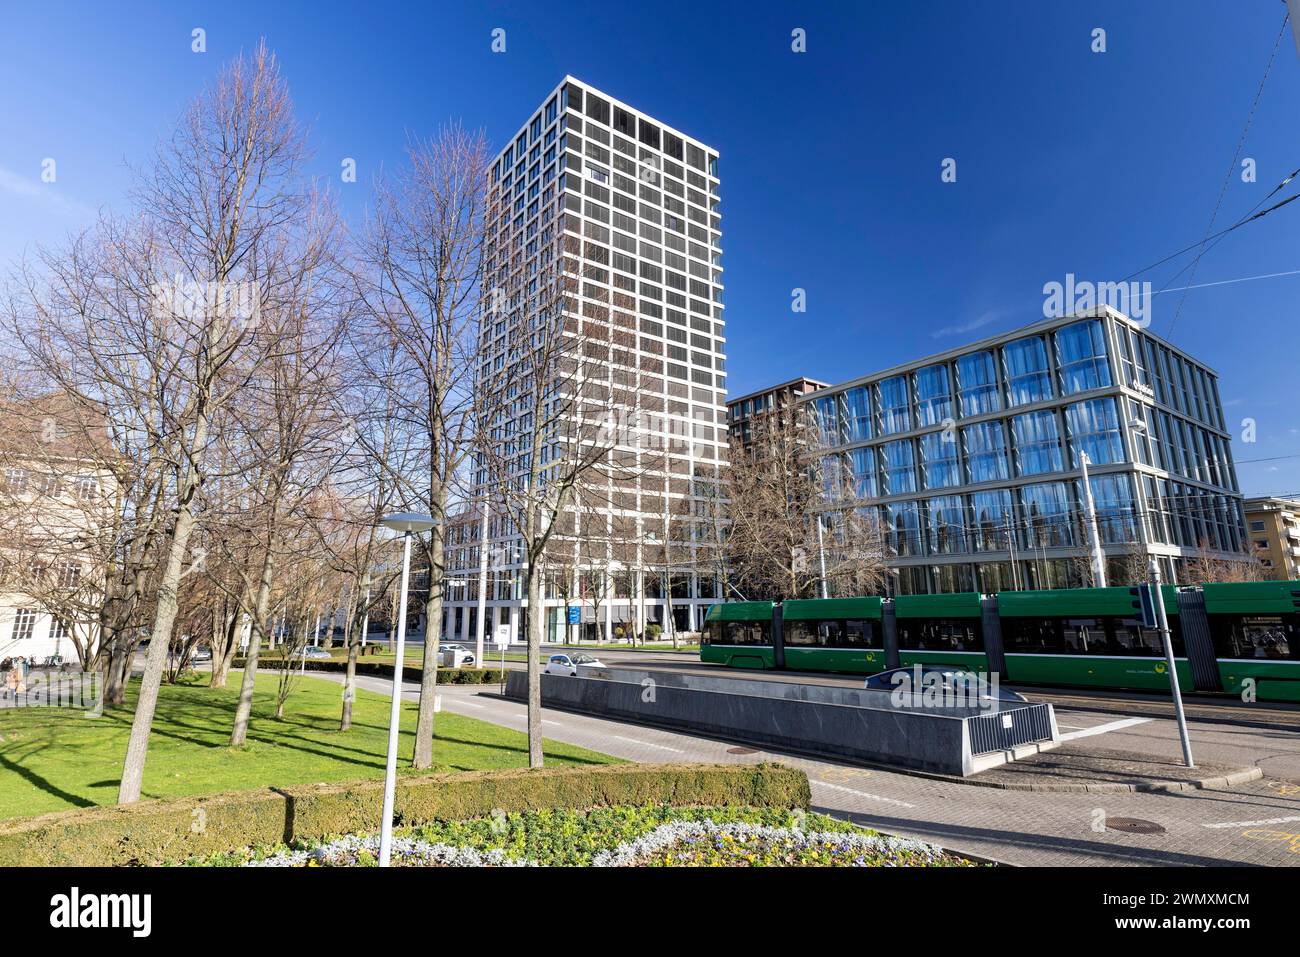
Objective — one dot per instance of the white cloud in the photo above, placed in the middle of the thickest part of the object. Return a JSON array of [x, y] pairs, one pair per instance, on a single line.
[[48, 195], [991, 315]]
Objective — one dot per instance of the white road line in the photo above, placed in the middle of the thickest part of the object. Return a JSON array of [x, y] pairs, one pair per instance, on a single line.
[[1104, 728], [472, 704], [1271, 820], [549, 721], [870, 797], [1073, 727], [647, 744]]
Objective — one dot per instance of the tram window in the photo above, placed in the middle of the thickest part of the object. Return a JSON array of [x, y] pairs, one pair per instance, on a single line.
[[824, 634], [1031, 635], [1131, 637], [800, 633], [748, 633], [1264, 637], [1083, 636], [940, 634], [830, 634], [858, 633]]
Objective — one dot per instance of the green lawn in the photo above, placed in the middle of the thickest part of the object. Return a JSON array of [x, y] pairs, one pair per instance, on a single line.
[[54, 759]]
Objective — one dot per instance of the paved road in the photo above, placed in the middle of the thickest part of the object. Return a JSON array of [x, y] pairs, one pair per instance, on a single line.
[[1257, 823]]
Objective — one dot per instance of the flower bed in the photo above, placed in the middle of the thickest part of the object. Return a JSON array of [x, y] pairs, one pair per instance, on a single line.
[[650, 835], [707, 844]]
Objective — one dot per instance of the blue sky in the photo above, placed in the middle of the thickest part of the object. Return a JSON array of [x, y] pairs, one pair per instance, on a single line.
[[1068, 161]]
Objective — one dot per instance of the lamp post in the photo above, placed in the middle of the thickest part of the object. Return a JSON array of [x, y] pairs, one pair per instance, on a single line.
[[652, 539], [408, 523], [821, 555], [1090, 513], [480, 618]]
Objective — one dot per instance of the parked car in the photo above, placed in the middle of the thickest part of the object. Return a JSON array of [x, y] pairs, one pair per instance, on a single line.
[[200, 655], [569, 664], [465, 655], [313, 653]]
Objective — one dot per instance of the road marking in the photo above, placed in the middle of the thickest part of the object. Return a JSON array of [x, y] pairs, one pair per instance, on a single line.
[[472, 704], [549, 721], [870, 797], [1074, 727], [1271, 820], [647, 744], [1104, 728]]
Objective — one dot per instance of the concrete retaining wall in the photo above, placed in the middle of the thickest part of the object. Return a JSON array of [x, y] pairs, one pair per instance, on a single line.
[[811, 718]]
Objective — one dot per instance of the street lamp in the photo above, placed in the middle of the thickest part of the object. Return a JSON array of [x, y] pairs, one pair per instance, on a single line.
[[1090, 513], [408, 523], [651, 539]]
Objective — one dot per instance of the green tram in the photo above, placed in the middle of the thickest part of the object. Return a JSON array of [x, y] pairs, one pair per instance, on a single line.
[[1227, 638]]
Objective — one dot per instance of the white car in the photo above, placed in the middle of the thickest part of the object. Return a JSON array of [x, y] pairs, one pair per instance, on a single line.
[[569, 664], [465, 655]]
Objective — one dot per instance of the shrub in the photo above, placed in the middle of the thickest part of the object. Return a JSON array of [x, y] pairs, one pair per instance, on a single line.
[[156, 832], [446, 676]]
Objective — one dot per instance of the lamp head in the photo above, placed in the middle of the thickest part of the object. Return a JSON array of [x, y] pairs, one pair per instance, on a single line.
[[412, 522]]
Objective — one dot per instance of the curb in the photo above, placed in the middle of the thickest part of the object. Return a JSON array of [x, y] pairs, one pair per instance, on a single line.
[[1243, 776]]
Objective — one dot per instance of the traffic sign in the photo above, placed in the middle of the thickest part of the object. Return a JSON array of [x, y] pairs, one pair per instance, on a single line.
[[575, 614], [501, 637]]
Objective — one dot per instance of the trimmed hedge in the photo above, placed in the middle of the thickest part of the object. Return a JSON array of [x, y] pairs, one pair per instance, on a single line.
[[158, 832], [446, 676]]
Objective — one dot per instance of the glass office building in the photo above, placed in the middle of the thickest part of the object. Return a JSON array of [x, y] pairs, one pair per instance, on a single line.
[[970, 459], [633, 207]]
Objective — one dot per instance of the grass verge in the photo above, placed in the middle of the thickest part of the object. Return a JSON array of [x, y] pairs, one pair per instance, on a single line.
[[54, 759]]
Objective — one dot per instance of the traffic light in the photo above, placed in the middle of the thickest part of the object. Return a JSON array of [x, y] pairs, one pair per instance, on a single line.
[[1144, 598]]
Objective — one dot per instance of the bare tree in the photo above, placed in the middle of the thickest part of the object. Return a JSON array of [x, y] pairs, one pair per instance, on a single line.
[[555, 437], [795, 517], [1207, 567], [283, 423], [156, 311], [420, 286]]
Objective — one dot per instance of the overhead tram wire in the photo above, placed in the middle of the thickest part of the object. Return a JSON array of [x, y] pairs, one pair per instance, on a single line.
[[1241, 142], [1214, 239]]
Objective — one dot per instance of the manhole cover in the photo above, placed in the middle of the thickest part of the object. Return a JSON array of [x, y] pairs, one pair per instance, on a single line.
[[1134, 825], [742, 750]]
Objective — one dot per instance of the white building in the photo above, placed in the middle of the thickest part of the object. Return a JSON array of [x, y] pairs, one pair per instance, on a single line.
[[50, 500], [638, 203]]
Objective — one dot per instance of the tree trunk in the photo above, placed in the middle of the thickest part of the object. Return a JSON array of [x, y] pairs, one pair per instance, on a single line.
[[423, 756], [222, 660], [353, 634], [535, 624], [119, 672], [111, 653], [261, 608], [160, 638]]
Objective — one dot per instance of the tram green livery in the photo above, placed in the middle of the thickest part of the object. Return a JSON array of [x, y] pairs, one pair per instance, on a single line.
[[1240, 638]]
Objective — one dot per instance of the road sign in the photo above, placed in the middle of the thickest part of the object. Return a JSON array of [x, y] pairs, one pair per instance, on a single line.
[[575, 614], [501, 637], [1144, 598]]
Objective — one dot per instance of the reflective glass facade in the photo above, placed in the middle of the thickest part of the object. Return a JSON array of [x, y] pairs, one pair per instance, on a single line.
[[972, 458]]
